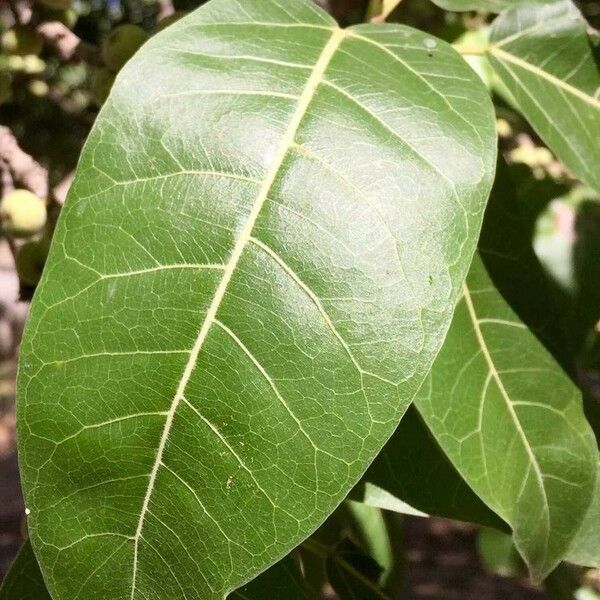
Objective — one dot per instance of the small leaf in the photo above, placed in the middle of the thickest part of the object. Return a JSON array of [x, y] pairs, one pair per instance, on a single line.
[[254, 269], [24, 580], [498, 553], [544, 56], [412, 475], [512, 423]]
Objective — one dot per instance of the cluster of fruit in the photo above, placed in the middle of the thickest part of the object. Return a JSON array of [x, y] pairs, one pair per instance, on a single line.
[[22, 44], [23, 217]]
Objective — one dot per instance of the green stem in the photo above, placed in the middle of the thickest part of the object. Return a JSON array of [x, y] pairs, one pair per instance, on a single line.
[[466, 50]]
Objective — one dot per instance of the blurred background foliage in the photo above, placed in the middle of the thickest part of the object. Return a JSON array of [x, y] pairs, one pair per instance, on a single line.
[[58, 61]]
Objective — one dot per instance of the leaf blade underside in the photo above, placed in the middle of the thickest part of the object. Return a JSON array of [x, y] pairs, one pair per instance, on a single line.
[[216, 221]]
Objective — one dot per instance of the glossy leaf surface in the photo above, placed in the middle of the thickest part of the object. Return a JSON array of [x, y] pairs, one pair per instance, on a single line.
[[545, 57], [512, 423], [252, 274]]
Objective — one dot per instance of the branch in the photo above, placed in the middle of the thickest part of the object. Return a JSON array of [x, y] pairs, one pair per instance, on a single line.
[[67, 45], [23, 168]]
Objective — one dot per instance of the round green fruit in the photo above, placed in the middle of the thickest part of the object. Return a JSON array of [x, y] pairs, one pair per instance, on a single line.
[[30, 261], [22, 213], [21, 40], [102, 82], [121, 44]]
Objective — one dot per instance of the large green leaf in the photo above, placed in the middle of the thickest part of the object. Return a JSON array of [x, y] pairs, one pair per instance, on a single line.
[[546, 59], [24, 580], [282, 581], [255, 267], [512, 423]]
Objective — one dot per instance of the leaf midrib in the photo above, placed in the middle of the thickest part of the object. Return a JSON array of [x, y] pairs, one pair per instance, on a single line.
[[287, 141]]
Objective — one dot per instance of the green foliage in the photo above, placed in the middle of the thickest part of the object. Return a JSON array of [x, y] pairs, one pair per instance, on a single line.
[[412, 473], [510, 404], [269, 261], [585, 549], [268, 240]]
